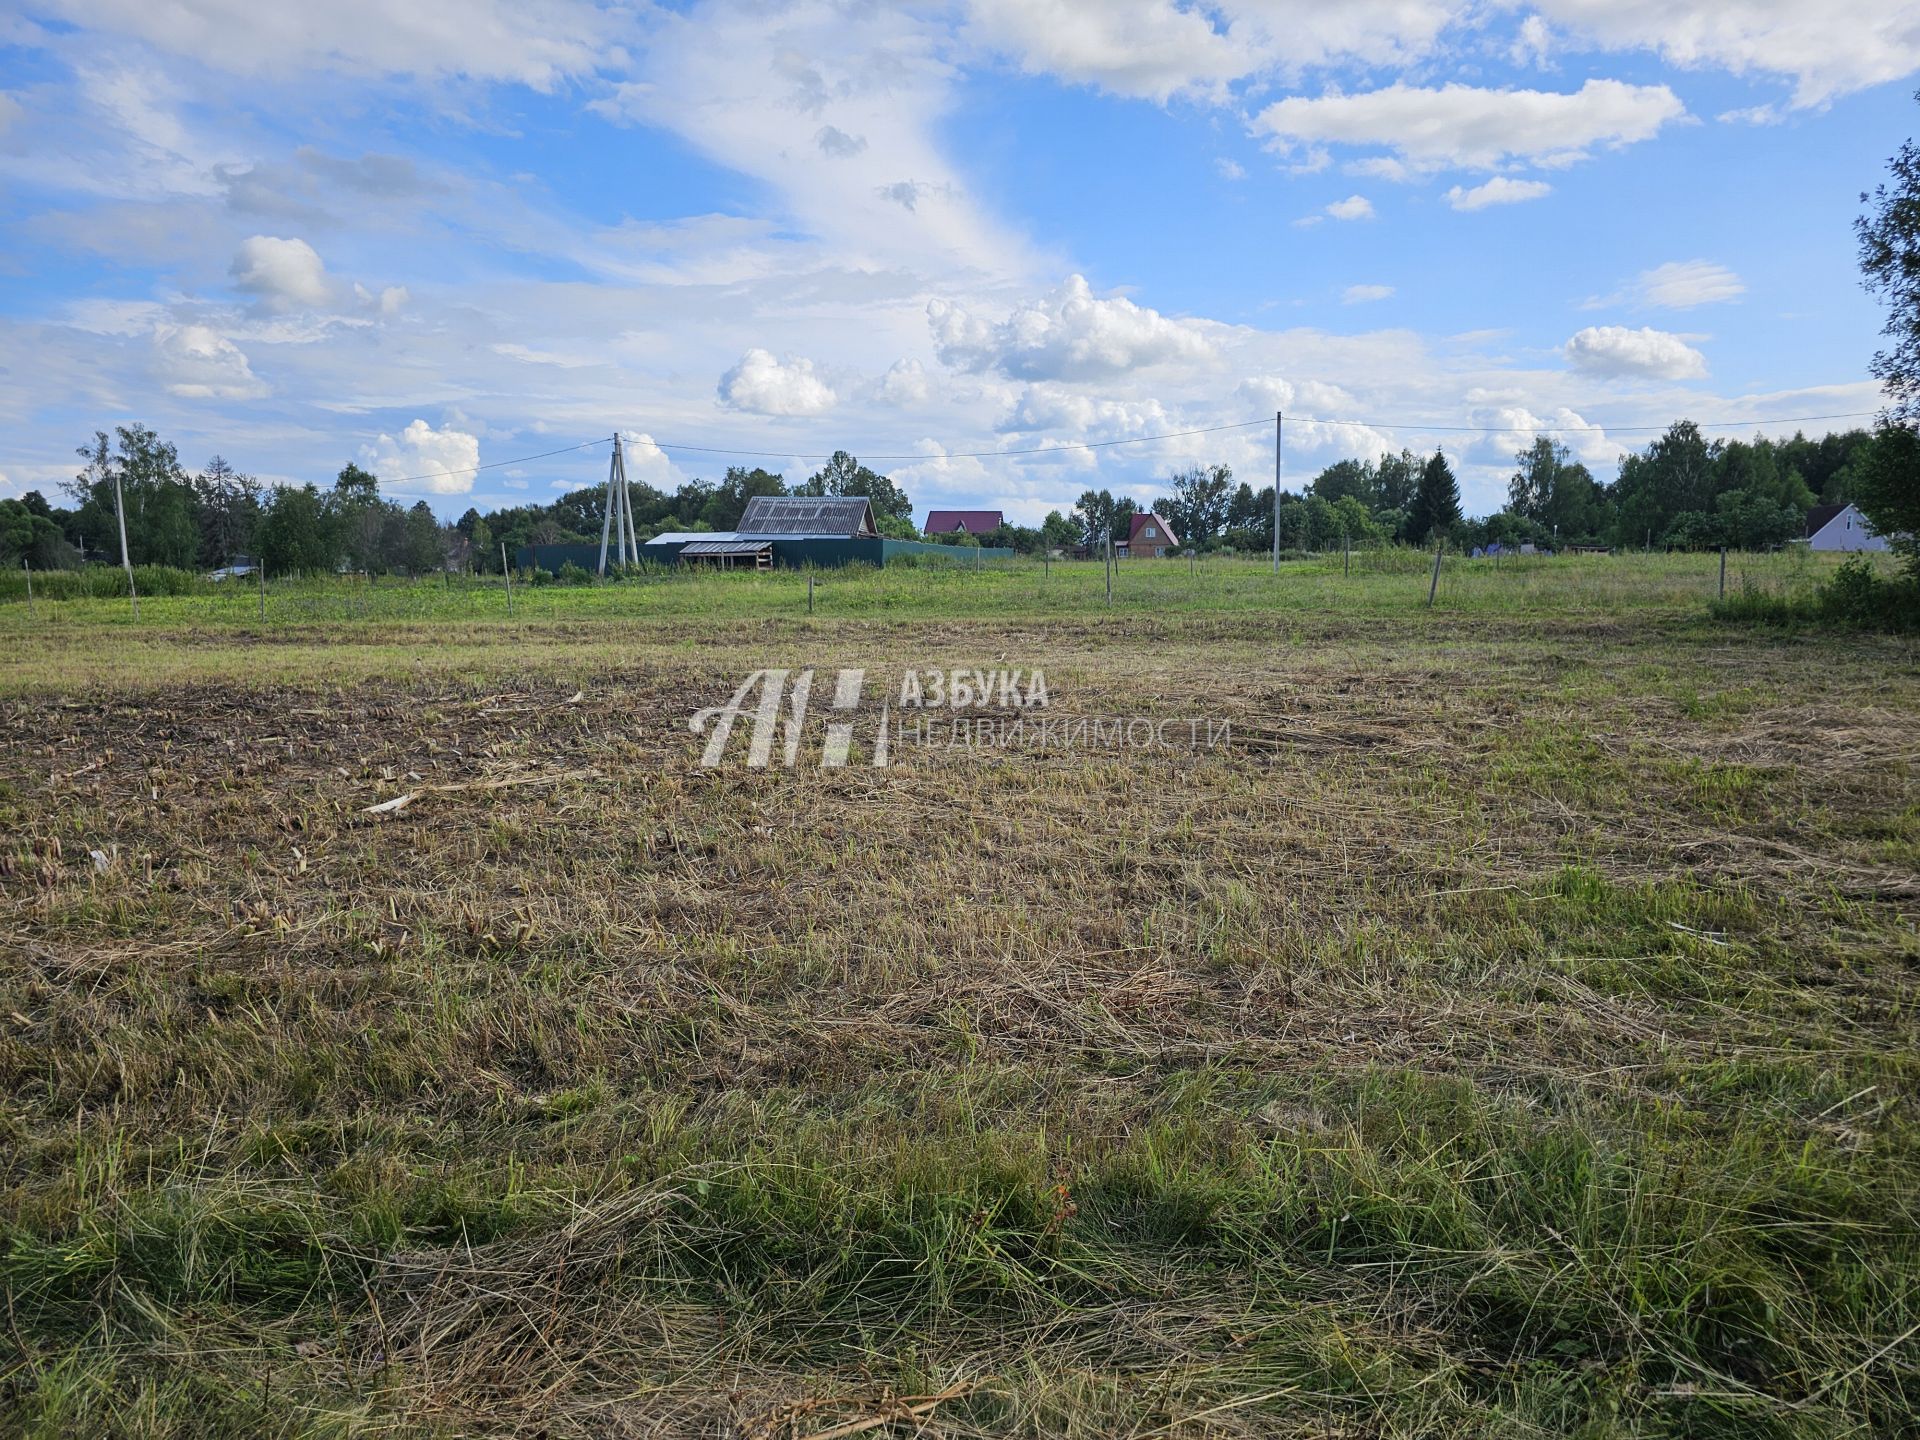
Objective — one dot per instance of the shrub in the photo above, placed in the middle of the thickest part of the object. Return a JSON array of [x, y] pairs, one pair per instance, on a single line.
[[101, 582], [1856, 598], [1859, 598]]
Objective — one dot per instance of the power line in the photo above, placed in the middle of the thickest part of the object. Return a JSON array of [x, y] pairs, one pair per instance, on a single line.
[[1577, 429], [1058, 446], [496, 464], [1268, 420], [964, 454]]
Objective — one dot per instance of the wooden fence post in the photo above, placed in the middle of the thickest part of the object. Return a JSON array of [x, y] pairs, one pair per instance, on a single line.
[[1434, 588]]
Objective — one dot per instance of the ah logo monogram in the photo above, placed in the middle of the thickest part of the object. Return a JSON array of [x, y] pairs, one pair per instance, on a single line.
[[772, 721]]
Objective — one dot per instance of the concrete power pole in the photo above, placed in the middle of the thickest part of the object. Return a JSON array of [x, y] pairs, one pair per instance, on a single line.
[[626, 503], [1279, 435], [120, 509], [616, 522], [606, 515]]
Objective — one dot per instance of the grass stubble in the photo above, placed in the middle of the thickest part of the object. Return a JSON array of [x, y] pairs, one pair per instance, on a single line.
[[1509, 1033]]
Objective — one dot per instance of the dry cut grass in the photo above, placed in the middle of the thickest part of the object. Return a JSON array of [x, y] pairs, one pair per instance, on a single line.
[[1509, 1032]]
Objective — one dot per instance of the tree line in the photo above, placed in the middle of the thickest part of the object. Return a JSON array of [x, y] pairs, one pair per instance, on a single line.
[[221, 515], [1681, 491]]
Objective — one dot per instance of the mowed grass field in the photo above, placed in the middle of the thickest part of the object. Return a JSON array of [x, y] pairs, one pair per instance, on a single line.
[[1510, 1030]]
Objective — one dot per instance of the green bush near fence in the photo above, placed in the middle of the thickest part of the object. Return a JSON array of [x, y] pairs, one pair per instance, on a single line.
[[102, 582], [1855, 597]]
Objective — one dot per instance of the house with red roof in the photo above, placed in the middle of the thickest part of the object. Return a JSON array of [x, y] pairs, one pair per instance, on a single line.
[[1148, 534], [974, 522]]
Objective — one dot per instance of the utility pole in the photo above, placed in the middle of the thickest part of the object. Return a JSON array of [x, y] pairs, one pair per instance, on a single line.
[[1279, 435], [626, 503], [616, 521], [120, 509]]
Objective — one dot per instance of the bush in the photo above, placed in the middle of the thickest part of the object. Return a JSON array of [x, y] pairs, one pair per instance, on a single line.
[[100, 582], [1856, 598], [1859, 598], [572, 574]]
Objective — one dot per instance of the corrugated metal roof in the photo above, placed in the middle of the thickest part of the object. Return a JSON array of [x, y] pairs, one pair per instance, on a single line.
[[831, 517], [710, 546], [683, 537]]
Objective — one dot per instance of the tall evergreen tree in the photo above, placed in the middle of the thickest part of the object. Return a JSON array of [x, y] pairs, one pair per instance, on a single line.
[[1435, 508]]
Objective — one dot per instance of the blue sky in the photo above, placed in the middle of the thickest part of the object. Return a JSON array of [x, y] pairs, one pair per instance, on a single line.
[[441, 235]]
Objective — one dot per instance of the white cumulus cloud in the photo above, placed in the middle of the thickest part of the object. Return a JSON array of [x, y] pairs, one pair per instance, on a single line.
[[198, 363], [1365, 294], [761, 384], [1042, 408], [1500, 190], [284, 274], [1512, 426], [1068, 334], [1465, 127], [1614, 350], [438, 462], [646, 463], [1354, 207], [905, 383]]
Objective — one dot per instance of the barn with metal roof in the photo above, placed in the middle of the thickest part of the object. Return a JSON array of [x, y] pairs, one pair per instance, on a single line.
[[777, 530], [794, 530]]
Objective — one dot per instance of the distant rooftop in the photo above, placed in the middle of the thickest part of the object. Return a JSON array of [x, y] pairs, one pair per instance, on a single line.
[[974, 522], [1819, 517], [837, 517]]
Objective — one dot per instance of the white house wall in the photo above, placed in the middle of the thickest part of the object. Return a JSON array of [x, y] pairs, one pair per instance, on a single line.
[[1846, 531]]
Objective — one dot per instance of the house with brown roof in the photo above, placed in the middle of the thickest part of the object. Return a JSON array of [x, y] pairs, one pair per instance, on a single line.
[[1148, 533], [973, 522]]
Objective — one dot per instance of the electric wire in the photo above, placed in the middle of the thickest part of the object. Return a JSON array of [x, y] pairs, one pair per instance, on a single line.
[[497, 464], [1060, 445]]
